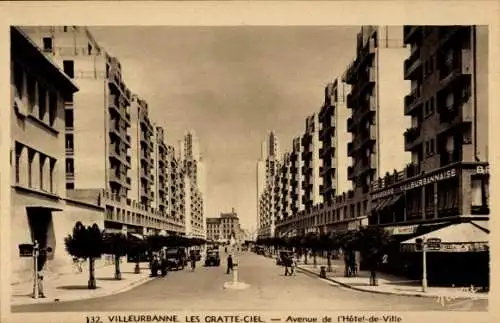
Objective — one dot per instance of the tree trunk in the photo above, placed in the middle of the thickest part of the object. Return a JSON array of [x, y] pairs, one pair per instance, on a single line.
[[329, 261], [315, 263], [305, 257], [118, 274], [92, 282]]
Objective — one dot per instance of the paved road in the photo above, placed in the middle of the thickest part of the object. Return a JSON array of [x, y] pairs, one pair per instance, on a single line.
[[269, 290]]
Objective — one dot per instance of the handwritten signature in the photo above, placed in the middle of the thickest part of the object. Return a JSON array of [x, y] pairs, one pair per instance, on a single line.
[[449, 299]]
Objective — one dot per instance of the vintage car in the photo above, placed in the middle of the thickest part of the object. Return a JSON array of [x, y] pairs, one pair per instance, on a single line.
[[213, 258], [176, 258]]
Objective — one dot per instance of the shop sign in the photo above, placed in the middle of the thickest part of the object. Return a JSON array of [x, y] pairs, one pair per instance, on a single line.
[[433, 244], [451, 247], [434, 178], [404, 230], [482, 170], [26, 250]]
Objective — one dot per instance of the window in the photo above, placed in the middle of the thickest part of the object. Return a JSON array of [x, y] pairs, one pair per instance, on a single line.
[[47, 44], [19, 150], [42, 164], [52, 168], [69, 68], [89, 49], [42, 101], [69, 141], [31, 157], [70, 186], [70, 166], [52, 107], [65, 29], [68, 118], [18, 79]]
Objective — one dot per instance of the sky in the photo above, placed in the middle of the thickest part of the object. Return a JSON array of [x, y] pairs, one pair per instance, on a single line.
[[231, 85]]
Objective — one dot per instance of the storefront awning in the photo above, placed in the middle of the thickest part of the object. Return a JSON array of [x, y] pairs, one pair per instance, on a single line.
[[136, 236], [483, 224], [455, 233], [388, 202]]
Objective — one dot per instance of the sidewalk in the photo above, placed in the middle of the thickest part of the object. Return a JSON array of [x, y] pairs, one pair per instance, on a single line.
[[387, 284], [73, 286]]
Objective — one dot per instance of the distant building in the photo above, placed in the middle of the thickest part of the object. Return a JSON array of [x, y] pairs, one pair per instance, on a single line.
[[225, 227]]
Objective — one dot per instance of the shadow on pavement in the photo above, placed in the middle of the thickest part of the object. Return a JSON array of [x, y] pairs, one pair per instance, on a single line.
[[75, 287]]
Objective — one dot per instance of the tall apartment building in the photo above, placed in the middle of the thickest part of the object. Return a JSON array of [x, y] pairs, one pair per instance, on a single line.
[[377, 90], [311, 163], [143, 161], [161, 196], [333, 136], [448, 138], [103, 99], [283, 190], [194, 181], [40, 208], [103, 163], [267, 170]]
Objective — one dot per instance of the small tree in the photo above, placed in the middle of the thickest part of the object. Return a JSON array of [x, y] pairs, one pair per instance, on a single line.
[[116, 244], [372, 242], [137, 248], [85, 243]]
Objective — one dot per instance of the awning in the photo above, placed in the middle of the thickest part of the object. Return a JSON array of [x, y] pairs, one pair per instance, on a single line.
[[136, 235], [49, 208], [456, 233], [382, 204], [483, 224], [388, 202]]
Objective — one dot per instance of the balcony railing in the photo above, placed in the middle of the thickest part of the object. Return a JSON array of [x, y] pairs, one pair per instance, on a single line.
[[413, 99], [412, 65], [411, 32], [70, 151]]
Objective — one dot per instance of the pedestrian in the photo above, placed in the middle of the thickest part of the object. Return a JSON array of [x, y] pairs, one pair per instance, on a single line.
[[229, 263], [42, 259], [193, 260], [288, 264]]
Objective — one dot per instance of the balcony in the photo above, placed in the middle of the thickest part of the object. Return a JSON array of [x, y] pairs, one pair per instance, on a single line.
[[350, 149], [411, 33], [413, 101], [70, 151], [113, 104], [115, 177], [448, 33], [350, 173], [413, 66], [457, 72]]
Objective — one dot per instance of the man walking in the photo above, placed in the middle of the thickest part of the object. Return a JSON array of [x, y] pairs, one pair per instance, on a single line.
[[229, 264]]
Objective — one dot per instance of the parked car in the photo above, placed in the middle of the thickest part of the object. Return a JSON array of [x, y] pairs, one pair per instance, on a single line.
[[213, 258], [197, 254], [282, 255], [176, 258]]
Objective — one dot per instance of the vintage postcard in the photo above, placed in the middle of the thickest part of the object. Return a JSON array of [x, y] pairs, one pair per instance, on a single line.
[[242, 165]]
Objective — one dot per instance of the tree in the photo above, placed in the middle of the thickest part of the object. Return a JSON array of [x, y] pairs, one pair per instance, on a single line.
[[116, 244], [85, 243], [137, 248], [372, 242]]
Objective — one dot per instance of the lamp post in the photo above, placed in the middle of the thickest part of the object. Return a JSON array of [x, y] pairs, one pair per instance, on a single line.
[[35, 269], [424, 265]]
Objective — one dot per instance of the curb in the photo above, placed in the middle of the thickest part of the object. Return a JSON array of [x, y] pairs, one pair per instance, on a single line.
[[122, 289], [412, 294]]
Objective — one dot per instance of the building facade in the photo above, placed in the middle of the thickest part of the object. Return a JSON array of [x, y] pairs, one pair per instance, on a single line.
[[448, 139], [214, 227], [123, 153], [267, 171], [40, 208], [193, 176], [98, 75]]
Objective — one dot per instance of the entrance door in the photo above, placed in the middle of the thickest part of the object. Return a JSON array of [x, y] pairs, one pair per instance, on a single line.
[[39, 220]]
